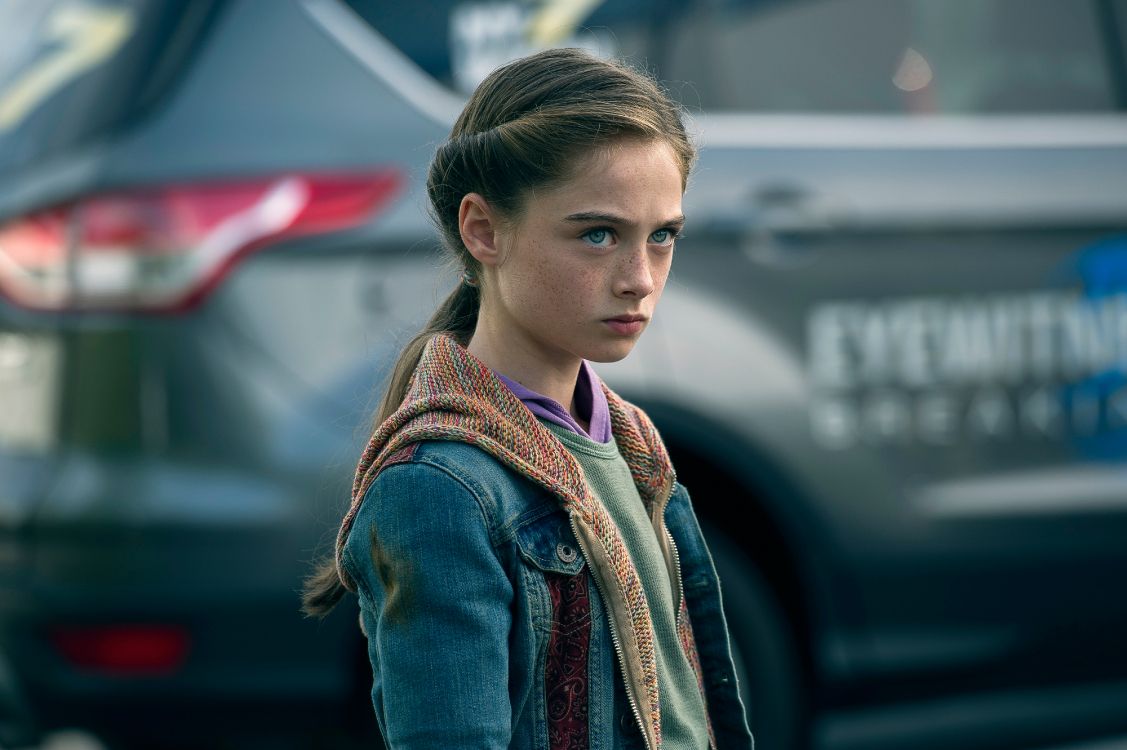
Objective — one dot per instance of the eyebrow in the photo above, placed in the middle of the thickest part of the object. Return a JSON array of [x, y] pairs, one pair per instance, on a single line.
[[586, 216]]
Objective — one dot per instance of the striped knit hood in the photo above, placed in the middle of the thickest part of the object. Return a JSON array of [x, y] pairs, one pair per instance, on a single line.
[[453, 395]]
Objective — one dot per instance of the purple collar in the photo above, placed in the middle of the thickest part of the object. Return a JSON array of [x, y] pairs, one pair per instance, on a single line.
[[590, 402]]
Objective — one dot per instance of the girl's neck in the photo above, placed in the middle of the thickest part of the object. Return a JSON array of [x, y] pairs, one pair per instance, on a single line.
[[556, 380]]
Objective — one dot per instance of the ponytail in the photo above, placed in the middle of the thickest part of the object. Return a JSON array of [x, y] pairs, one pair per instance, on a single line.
[[457, 316]]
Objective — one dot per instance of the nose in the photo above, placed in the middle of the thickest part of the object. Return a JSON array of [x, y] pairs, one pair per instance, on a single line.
[[634, 275]]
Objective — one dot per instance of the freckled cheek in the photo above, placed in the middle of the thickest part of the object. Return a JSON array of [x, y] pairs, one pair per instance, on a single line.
[[660, 276], [562, 290], [533, 291], [585, 293]]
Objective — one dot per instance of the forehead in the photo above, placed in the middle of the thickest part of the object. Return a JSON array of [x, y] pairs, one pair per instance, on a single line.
[[632, 178]]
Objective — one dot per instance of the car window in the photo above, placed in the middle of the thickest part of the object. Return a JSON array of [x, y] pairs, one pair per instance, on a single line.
[[71, 70], [898, 56], [833, 56], [53, 55]]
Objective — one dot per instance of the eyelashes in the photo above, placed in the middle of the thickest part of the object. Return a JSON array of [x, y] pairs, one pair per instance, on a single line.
[[601, 236]]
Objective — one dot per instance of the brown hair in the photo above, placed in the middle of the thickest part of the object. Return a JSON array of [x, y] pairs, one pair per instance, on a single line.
[[522, 129]]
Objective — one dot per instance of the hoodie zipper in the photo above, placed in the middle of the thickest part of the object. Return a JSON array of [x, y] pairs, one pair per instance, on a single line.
[[613, 636], [660, 507], [677, 569]]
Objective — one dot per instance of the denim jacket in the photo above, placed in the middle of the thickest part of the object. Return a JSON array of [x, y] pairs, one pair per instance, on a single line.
[[491, 609]]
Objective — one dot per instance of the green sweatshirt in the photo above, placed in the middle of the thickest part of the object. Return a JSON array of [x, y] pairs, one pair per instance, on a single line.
[[683, 721]]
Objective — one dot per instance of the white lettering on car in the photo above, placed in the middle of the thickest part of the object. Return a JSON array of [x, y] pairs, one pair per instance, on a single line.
[[992, 367]]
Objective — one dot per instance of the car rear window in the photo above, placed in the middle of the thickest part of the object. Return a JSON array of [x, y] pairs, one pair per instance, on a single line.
[[908, 56], [72, 70], [832, 56]]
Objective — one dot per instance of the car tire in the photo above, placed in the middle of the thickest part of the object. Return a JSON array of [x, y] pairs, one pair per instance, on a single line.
[[764, 649]]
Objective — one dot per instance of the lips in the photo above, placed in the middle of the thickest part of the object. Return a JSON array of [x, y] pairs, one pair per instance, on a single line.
[[626, 325]]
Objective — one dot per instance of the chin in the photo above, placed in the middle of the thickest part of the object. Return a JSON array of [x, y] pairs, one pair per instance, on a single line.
[[611, 352]]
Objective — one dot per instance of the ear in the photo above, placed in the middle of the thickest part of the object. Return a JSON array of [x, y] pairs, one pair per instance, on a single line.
[[478, 224]]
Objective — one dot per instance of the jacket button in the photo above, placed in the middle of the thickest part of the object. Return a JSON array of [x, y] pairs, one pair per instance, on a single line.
[[565, 552], [626, 722]]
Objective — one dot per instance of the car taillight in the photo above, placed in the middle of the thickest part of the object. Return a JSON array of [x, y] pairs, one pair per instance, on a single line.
[[124, 649], [164, 248]]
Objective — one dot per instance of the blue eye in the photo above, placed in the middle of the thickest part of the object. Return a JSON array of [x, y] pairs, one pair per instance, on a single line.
[[661, 236], [597, 236]]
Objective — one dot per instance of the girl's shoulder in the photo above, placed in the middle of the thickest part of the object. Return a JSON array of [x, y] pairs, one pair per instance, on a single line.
[[467, 462], [456, 467]]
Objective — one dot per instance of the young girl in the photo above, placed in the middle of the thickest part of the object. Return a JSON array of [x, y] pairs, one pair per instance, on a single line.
[[530, 573]]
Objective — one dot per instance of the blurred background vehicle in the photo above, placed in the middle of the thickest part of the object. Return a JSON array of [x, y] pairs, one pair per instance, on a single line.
[[889, 362]]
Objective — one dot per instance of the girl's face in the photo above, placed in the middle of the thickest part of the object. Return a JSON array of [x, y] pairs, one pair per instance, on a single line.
[[594, 248]]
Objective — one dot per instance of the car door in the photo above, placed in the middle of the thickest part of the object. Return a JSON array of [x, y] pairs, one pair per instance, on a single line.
[[917, 214]]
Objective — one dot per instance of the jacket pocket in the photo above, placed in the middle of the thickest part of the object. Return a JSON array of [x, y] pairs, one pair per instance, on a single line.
[[555, 573], [549, 544]]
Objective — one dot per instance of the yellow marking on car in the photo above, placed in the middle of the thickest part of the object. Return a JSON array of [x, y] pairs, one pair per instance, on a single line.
[[86, 36], [556, 21]]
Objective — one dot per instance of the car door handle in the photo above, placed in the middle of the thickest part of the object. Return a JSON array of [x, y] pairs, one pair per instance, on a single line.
[[782, 223]]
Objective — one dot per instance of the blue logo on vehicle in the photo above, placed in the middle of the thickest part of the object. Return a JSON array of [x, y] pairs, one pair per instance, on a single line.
[[1097, 403]]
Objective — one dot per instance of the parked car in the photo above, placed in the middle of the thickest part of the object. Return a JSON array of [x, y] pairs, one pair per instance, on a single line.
[[889, 362]]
